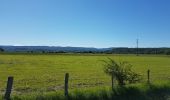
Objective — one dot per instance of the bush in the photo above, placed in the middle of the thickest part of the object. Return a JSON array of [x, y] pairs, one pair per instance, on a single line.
[[121, 72], [1, 50]]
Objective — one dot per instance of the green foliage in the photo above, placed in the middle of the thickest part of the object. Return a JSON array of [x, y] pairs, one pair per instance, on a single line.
[[134, 77], [167, 52], [2, 50], [140, 51], [135, 92], [121, 72]]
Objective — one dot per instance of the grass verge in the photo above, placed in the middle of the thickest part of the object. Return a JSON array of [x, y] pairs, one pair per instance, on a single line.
[[130, 92]]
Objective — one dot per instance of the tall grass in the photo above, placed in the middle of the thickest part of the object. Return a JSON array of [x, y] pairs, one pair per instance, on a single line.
[[132, 92]]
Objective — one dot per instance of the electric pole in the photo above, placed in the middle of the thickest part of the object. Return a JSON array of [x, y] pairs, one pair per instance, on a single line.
[[137, 47]]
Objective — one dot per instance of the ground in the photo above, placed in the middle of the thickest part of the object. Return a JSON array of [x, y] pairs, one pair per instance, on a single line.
[[46, 72]]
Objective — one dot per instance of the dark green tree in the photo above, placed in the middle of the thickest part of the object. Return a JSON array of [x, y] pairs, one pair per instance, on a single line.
[[2, 50]]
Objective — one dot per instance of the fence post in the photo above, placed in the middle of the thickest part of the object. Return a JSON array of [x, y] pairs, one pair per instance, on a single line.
[[112, 81], [148, 74], [8, 88], [66, 84]]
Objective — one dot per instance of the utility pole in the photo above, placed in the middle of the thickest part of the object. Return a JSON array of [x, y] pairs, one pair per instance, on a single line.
[[137, 47]]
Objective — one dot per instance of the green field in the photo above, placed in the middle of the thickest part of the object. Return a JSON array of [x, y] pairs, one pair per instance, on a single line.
[[34, 73]]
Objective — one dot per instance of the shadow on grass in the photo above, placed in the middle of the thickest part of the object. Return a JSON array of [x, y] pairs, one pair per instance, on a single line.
[[158, 92], [147, 92]]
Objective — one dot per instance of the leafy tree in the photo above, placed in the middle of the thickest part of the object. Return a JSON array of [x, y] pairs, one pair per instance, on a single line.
[[2, 50], [121, 72], [167, 52]]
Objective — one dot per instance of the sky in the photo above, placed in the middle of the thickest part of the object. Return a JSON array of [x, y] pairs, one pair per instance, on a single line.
[[85, 23]]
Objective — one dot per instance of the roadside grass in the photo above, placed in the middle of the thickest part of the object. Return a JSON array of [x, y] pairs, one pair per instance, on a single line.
[[129, 92]]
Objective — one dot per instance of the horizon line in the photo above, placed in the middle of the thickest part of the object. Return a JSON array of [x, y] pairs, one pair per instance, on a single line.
[[78, 46]]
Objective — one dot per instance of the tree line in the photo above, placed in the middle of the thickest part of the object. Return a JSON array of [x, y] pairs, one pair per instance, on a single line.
[[165, 51], [140, 51]]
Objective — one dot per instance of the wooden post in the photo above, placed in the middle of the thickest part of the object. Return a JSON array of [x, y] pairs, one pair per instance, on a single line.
[[9, 88], [112, 81], [148, 73], [66, 84]]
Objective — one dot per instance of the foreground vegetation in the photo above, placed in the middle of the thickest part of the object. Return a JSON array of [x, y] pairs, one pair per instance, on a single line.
[[42, 76], [133, 92]]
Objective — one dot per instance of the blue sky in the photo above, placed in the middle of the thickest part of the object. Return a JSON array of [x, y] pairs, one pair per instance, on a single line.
[[85, 23]]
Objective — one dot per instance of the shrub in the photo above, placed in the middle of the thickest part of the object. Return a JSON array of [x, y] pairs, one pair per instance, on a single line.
[[121, 72]]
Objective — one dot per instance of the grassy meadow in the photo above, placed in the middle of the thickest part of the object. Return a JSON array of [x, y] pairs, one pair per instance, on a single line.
[[45, 73]]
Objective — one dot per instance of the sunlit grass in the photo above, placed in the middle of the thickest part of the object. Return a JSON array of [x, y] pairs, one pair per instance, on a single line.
[[34, 73]]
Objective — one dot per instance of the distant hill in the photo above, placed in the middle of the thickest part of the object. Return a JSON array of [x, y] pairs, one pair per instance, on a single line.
[[51, 49], [57, 49]]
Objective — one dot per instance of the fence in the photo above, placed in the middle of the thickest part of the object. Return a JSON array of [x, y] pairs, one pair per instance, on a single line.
[[66, 85]]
